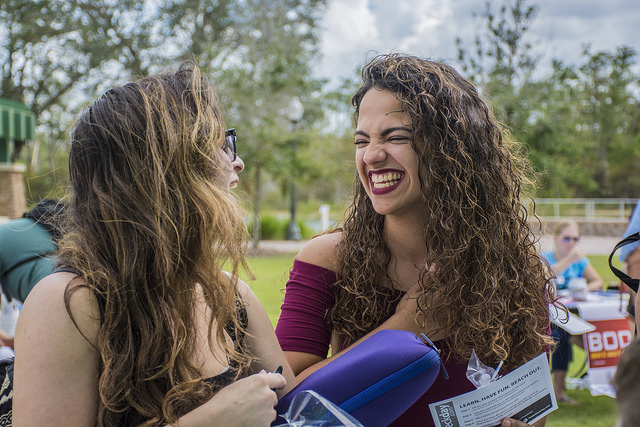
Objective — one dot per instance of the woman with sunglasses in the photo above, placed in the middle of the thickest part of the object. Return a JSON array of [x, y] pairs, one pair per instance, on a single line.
[[568, 262], [141, 325], [567, 259]]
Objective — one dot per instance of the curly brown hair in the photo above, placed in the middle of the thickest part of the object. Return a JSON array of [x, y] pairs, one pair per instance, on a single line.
[[488, 284], [146, 224]]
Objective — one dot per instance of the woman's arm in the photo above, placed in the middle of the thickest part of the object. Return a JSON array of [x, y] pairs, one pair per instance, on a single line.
[[56, 368], [6, 339], [320, 251], [307, 299], [404, 318], [261, 339], [594, 281]]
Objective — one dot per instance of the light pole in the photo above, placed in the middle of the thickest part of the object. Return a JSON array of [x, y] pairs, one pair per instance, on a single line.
[[294, 114]]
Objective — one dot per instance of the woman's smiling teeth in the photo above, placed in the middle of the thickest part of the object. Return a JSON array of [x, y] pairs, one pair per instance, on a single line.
[[384, 180]]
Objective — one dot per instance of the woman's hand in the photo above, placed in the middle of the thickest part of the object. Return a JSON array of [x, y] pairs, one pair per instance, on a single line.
[[409, 318], [405, 314], [575, 254], [6, 339], [510, 422], [248, 402]]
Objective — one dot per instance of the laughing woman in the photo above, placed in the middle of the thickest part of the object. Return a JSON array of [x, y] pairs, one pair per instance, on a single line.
[[435, 240]]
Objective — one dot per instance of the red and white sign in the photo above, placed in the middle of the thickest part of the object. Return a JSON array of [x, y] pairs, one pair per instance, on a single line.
[[605, 344]]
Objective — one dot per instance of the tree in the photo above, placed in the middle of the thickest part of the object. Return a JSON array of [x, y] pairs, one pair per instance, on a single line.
[[57, 54], [275, 44], [609, 108], [548, 128], [503, 59], [579, 125], [503, 62], [502, 65]]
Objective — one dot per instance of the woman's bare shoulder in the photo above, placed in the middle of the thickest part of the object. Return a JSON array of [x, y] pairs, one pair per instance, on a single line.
[[47, 300], [50, 291], [321, 251], [46, 337]]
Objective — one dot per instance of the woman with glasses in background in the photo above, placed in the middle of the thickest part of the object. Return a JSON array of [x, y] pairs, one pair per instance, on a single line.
[[141, 325], [568, 262]]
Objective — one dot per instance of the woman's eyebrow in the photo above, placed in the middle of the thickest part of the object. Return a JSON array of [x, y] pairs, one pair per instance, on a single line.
[[384, 132], [387, 131]]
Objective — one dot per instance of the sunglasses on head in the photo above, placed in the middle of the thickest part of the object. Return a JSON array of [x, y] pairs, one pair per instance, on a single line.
[[630, 282], [230, 144]]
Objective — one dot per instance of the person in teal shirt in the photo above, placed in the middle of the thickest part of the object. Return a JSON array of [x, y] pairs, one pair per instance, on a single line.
[[27, 249]]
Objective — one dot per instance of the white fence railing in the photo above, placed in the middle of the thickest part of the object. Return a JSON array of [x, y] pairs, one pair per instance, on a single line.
[[591, 209]]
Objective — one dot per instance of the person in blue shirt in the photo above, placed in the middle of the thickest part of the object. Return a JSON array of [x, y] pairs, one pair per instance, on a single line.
[[630, 256], [568, 261]]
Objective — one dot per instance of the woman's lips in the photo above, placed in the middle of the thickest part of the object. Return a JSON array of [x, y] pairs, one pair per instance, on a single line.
[[385, 180]]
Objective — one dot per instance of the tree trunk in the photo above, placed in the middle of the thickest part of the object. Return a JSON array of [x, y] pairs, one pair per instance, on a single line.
[[256, 233]]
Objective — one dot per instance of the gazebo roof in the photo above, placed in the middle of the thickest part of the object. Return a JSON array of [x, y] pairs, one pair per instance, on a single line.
[[17, 121]]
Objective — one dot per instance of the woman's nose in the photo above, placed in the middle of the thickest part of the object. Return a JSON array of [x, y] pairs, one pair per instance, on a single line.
[[374, 153], [238, 164]]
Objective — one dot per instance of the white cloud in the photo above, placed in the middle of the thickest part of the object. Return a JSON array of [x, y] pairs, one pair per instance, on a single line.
[[428, 19], [348, 27], [354, 30]]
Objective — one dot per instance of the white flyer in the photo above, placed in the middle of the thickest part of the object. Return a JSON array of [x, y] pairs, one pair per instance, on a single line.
[[569, 321], [525, 394]]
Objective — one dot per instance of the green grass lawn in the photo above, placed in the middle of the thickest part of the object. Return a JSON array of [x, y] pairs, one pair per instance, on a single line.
[[271, 274], [593, 411], [601, 264]]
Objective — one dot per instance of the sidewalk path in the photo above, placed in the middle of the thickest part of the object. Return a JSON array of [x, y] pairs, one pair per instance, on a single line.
[[593, 245], [272, 247]]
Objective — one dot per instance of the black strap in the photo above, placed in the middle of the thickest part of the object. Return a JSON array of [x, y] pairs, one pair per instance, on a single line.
[[632, 283]]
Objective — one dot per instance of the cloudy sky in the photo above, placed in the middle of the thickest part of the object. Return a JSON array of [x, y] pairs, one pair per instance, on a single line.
[[353, 31]]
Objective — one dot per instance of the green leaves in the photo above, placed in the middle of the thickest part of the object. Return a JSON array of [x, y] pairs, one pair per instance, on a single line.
[[579, 124], [60, 54]]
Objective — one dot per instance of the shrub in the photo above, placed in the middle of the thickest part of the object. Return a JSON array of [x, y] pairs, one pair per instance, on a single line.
[[272, 228]]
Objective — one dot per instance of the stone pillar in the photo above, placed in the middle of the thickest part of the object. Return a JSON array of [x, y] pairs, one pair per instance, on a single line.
[[12, 199]]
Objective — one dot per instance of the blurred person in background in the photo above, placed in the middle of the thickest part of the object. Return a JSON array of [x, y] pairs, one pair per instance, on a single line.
[[626, 382], [630, 257], [568, 262], [27, 255]]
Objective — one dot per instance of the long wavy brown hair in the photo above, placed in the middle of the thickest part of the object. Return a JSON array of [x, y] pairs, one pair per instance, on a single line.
[[146, 224], [488, 284]]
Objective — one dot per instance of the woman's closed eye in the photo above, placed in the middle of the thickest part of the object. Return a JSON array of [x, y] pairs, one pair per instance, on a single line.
[[398, 139]]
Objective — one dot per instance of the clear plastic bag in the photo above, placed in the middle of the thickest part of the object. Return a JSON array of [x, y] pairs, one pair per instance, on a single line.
[[309, 409], [479, 373]]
